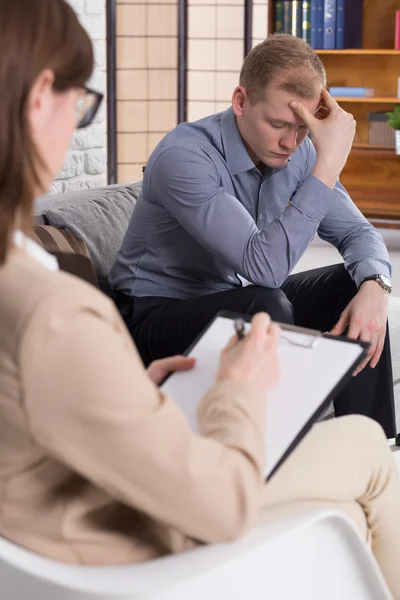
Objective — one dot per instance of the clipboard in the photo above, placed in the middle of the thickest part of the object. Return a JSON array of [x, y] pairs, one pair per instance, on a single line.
[[308, 383]]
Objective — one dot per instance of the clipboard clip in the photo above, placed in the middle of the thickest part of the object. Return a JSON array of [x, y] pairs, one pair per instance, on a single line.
[[312, 343], [313, 335]]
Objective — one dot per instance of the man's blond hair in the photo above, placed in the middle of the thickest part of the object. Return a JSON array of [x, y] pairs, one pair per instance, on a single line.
[[285, 60]]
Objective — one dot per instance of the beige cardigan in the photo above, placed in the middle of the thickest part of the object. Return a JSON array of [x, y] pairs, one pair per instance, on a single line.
[[97, 466]]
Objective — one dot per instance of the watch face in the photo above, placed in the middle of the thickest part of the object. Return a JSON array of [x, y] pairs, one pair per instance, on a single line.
[[386, 281]]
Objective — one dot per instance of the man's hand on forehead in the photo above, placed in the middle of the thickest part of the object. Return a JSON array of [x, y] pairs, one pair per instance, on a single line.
[[322, 111]]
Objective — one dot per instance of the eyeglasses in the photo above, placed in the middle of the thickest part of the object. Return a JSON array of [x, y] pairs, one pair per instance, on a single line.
[[87, 106]]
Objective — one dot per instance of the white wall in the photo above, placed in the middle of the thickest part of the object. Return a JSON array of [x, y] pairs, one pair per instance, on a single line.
[[85, 165]]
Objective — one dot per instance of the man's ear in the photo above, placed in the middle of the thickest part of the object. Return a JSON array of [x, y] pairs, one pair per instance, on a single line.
[[40, 100], [239, 100]]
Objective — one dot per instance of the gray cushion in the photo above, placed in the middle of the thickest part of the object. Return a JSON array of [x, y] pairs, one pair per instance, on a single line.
[[101, 220], [51, 201]]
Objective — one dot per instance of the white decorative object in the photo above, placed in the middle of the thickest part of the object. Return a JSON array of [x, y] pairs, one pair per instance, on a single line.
[[397, 138], [398, 87]]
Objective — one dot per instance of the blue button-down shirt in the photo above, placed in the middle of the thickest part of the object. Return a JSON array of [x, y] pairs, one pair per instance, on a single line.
[[207, 218]]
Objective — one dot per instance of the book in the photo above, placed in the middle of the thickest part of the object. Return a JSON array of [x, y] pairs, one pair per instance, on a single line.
[[287, 16], [317, 23], [279, 14], [397, 31], [297, 11], [330, 24], [306, 24], [351, 92], [380, 134], [349, 17]]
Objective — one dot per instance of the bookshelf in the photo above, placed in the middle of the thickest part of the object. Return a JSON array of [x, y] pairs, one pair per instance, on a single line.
[[374, 100], [360, 51], [372, 173]]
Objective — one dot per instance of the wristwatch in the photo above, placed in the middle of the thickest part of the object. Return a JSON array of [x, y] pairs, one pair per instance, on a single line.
[[383, 281]]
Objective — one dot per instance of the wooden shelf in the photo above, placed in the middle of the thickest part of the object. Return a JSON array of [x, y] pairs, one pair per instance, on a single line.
[[372, 151], [359, 146], [362, 52], [374, 99]]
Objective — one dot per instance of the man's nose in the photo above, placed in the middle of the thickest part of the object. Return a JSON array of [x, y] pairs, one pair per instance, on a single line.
[[289, 141]]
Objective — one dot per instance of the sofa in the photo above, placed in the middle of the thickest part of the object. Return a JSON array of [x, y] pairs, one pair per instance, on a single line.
[[95, 221]]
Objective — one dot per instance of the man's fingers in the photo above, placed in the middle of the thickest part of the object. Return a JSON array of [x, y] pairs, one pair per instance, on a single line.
[[328, 100], [370, 353], [355, 331], [378, 351], [323, 112], [340, 325], [361, 366], [373, 341], [303, 112]]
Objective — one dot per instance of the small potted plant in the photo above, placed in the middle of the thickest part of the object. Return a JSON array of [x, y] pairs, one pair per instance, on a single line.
[[394, 123]]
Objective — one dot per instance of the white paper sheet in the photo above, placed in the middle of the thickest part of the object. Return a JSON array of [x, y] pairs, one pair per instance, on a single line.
[[308, 377]]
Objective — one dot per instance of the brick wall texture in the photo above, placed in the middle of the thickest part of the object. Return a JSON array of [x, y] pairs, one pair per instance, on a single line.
[[86, 162]]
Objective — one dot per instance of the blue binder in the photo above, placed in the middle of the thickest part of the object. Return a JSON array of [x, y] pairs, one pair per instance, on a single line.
[[340, 24], [349, 24], [317, 23], [330, 24]]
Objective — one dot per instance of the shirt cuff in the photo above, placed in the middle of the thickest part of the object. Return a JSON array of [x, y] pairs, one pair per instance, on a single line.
[[366, 268], [314, 198]]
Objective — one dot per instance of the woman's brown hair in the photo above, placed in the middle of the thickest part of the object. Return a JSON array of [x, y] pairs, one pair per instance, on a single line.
[[34, 35]]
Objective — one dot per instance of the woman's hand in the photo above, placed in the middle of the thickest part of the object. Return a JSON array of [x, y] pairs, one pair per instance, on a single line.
[[159, 369], [254, 359]]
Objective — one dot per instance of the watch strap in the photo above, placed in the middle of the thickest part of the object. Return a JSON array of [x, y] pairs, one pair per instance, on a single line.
[[378, 280]]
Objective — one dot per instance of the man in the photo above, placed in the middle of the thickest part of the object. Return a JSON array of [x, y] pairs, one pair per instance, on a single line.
[[236, 198]]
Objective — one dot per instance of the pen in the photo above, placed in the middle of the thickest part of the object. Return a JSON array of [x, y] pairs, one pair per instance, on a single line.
[[239, 328]]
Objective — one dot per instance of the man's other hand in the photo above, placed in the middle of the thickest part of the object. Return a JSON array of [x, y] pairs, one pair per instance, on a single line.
[[366, 318]]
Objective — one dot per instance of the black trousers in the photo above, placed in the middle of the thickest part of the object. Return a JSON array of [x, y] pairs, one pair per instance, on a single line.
[[163, 327]]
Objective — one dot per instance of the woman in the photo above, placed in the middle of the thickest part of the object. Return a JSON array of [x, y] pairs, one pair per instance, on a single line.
[[97, 466]]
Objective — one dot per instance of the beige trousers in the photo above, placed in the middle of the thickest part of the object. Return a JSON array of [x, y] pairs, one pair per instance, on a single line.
[[347, 463]]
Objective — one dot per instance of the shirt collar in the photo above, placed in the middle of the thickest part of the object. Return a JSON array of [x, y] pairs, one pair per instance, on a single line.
[[236, 155], [35, 251]]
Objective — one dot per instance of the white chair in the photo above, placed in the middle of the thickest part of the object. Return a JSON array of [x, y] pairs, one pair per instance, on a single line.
[[312, 556]]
